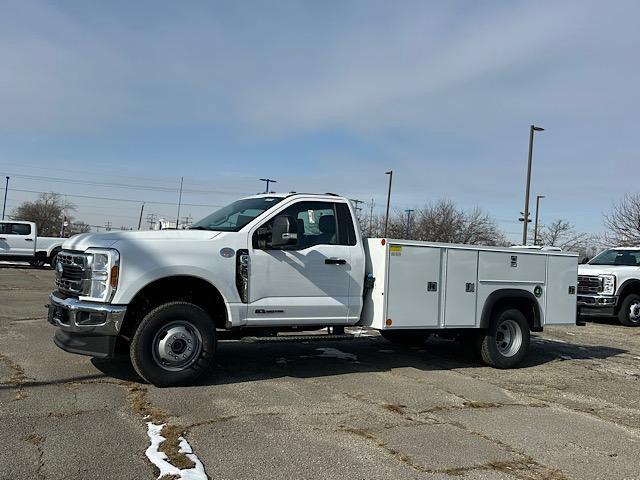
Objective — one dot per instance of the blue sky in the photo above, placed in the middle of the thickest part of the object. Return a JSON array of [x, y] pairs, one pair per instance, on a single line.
[[322, 96]]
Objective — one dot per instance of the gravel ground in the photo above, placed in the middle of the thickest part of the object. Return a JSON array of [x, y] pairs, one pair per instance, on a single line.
[[361, 408]]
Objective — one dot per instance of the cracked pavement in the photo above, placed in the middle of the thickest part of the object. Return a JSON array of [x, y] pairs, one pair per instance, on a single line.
[[292, 411]]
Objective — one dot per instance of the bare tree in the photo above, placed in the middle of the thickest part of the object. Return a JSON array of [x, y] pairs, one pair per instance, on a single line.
[[623, 221], [442, 221], [561, 233], [47, 212]]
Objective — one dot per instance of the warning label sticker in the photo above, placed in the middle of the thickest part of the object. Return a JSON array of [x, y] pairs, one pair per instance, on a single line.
[[395, 250]]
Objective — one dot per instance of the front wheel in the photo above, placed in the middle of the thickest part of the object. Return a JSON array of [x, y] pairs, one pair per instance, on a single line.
[[506, 342], [174, 344], [53, 258], [629, 314]]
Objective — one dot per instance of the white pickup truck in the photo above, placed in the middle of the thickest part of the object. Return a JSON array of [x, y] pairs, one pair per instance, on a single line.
[[609, 285], [19, 241], [295, 261]]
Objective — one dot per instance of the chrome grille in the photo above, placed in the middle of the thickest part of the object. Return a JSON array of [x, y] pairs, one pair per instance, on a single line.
[[72, 273], [588, 284]]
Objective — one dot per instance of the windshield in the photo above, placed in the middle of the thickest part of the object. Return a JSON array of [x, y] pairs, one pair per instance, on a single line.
[[629, 258], [236, 215]]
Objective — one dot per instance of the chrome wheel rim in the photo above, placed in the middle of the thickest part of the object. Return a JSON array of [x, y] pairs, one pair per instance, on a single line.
[[508, 338], [177, 345], [634, 312]]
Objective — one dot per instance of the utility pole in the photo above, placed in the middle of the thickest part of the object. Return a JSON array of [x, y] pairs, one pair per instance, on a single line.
[[386, 217], [152, 218], [4, 205], [371, 218], [268, 180], [179, 202], [107, 226], [526, 196], [535, 227], [408, 212], [140, 220]]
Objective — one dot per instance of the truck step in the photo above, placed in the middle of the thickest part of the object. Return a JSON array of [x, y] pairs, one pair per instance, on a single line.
[[298, 338]]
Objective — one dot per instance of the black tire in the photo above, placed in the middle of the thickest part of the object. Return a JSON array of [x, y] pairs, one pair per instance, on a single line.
[[37, 262], [177, 322], [52, 259], [629, 313], [506, 342], [406, 338]]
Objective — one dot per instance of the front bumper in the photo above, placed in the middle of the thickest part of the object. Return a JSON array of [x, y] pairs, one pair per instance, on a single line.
[[597, 305], [85, 328]]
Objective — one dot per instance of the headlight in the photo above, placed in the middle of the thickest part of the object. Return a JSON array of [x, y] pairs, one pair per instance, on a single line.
[[104, 269], [607, 284]]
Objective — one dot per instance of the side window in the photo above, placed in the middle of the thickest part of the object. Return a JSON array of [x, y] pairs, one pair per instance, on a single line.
[[316, 221], [346, 232], [20, 229], [4, 228]]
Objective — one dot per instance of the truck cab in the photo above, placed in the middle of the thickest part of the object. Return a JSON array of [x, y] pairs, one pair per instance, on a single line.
[[609, 285]]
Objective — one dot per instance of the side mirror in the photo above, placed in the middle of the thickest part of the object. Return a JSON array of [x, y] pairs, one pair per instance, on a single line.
[[285, 231]]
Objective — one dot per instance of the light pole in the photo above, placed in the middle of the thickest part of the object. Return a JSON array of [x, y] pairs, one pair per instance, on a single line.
[[408, 212], [179, 203], [386, 217], [268, 180], [535, 226], [526, 196], [4, 205]]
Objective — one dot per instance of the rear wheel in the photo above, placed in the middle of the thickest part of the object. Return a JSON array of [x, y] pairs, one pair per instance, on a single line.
[[174, 344], [506, 342], [629, 314]]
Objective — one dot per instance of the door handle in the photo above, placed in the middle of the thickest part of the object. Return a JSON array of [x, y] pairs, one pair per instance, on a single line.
[[28, 239], [335, 261]]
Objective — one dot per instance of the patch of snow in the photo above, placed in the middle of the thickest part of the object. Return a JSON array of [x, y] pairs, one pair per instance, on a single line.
[[335, 353], [159, 459], [361, 332], [281, 361], [565, 357]]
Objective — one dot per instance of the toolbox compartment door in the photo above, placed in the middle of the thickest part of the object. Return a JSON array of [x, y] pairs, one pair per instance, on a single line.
[[562, 284], [461, 288], [414, 286]]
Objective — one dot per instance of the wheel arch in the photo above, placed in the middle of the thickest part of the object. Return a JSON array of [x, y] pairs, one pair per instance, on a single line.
[[631, 285], [523, 300], [188, 288]]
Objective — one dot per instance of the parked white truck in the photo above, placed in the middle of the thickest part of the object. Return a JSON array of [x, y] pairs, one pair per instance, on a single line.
[[19, 241], [295, 261], [609, 285]]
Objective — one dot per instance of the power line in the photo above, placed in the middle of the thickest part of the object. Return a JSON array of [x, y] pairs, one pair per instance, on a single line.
[[124, 185], [116, 199]]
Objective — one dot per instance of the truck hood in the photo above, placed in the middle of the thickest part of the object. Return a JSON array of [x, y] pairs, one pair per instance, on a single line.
[[605, 269], [108, 239]]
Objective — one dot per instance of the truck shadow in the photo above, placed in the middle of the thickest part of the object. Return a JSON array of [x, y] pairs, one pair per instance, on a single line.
[[239, 362]]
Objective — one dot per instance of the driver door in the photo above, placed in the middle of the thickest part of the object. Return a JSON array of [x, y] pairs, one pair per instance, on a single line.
[[306, 282]]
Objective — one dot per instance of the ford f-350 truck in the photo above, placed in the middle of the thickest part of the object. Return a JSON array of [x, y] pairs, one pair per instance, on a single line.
[[19, 241], [609, 285], [295, 261]]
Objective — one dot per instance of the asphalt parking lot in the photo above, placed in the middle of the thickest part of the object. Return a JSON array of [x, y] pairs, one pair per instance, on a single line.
[[361, 409]]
